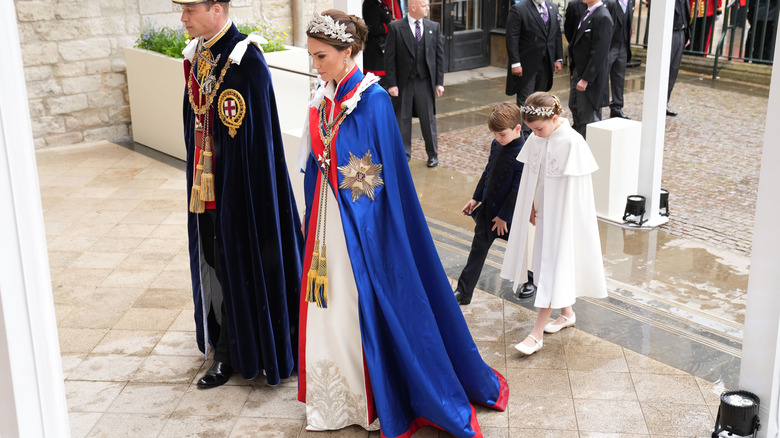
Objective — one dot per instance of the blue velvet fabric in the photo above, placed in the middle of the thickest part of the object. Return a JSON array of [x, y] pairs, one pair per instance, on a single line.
[[257, 223]]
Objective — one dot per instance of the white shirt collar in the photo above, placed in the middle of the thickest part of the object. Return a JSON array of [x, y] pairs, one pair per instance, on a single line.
[[590, 9], [411, 23]]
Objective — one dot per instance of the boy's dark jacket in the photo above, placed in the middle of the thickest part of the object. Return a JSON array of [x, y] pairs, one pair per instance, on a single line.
[[497, 188]]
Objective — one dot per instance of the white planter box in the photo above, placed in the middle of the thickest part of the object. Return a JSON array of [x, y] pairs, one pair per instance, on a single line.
[[156, 86], [155, 83], [292, 90]]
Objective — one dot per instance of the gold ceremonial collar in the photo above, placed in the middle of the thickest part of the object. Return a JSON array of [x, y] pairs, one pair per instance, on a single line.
[[219, 35]]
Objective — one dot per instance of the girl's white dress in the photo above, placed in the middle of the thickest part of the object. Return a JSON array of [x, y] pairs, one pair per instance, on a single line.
[[567, 260]]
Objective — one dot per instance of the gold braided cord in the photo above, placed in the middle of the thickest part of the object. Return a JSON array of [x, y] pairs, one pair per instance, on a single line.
[[317, 277], [203, 182]]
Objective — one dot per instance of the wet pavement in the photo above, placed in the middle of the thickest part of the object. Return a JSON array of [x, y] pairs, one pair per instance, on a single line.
[[689, 276], [650, 360]]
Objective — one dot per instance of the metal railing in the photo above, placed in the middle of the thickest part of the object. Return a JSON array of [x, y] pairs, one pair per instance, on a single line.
[[743, 31]]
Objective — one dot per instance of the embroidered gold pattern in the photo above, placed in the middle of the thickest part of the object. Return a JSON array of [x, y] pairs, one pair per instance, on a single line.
[[361, 175], [232, 109]]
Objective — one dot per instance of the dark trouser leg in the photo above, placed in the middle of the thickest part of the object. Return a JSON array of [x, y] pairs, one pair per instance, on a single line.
[[211, 254], [678, 42], [403, 114], [583, 112], [617, 75], [483, 238], [423, 107]]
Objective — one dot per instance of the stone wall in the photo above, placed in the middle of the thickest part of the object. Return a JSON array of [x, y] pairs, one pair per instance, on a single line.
[[73, 54]]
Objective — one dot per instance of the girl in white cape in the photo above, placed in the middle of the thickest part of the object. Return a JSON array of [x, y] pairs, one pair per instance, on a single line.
[[556, 193]]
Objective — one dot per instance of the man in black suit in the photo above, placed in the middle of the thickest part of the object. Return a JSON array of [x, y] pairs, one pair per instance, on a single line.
[[588, 56], [414, 72], [534, 48], [681, 37], [622, 12]]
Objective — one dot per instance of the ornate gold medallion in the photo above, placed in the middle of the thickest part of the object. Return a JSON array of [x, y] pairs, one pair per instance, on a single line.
[[361, 176], [232, 109]]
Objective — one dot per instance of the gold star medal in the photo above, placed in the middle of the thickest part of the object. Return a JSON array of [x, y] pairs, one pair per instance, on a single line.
[[361, 175], [231, 110]]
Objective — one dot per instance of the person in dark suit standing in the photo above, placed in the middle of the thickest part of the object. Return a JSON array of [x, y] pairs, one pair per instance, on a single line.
[[681, 37], [378, 16], [414, 72], [588, 56], [534, 48], [622, 12]]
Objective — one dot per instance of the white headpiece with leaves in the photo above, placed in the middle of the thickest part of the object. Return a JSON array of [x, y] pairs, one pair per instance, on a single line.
[[538, 110], [325, 24]]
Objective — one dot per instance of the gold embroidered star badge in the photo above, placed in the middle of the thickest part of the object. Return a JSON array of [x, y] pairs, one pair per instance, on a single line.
[[361, 175]]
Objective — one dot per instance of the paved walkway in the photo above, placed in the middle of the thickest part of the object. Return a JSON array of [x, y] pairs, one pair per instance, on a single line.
[[115, 223]]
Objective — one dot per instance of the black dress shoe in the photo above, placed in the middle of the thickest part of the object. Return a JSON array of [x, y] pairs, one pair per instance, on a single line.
[[217, 375], [462, 298], [527, 290], [433, 162], [670, 112], [618, 113]]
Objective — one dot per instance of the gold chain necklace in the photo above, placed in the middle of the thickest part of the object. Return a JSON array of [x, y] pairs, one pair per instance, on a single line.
[[317, 278], [201, 109]]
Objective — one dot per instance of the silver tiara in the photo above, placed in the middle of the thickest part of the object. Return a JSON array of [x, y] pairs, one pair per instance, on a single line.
[[538, 110], [325, 24]]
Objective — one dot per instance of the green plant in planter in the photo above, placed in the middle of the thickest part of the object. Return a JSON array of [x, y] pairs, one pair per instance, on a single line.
[[275, 35], [171, 42], [163, 40]]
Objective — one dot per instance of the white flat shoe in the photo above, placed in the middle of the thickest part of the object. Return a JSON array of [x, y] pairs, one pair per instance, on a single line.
[[529, 350], [555, 328]]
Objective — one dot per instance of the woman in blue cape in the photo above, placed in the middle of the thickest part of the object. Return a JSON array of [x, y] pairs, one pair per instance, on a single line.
[[380, 333]]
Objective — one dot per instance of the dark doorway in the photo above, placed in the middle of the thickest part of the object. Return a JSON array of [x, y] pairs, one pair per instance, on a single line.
[[465, 29]]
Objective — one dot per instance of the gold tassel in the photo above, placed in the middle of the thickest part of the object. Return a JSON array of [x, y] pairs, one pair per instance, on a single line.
[[321, 291], [196, 204], [311, 277], [207, 187], [207, 178]]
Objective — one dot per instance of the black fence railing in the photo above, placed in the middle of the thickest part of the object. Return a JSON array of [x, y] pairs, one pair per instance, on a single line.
[[741, 30]]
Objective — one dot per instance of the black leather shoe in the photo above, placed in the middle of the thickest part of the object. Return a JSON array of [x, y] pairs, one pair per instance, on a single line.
[[462, 298], [618, 113], [217, 375], [527, 290], [433, 162], [670, 112]]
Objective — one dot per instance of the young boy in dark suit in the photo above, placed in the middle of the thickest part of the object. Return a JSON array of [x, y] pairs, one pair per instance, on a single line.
[[493, 201]]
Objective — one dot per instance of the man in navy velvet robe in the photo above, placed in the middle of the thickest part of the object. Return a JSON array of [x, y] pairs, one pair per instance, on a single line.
[[244, 231]]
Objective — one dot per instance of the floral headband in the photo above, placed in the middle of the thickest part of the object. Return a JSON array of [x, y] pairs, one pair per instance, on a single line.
[[325, 24], [545, 111]]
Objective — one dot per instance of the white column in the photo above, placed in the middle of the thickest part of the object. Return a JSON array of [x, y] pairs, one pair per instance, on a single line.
[[354, 7], [659, 51], [32, 393], [760, 369]]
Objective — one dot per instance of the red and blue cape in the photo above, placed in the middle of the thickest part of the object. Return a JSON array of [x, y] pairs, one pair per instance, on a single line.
[[422, 364]]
